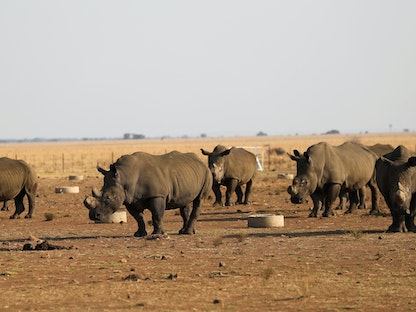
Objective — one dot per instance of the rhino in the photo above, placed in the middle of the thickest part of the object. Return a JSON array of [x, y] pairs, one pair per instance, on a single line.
[[396, 179], [17, 180], [232, 168], [155, 182], [325, 171], [380, 150]]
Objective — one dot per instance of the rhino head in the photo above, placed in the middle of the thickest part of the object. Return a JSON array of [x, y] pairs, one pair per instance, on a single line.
[[305, 182], [105, 202], [403, 187], [216, 161]]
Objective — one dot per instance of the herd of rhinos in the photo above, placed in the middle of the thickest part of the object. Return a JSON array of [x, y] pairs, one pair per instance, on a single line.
[[181, 180]]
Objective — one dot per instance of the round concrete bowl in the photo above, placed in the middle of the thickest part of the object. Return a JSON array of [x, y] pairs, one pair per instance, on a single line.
[[116, 217], [265, 221], [67, 189]]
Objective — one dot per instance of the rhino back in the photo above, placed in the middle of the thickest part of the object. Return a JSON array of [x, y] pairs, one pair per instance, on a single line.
[[15, 175], [240, 165], [349, 164], [178, 177]]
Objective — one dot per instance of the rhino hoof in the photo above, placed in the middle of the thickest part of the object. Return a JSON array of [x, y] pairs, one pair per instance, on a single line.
[[15, 216], [187, 232], [28, 216], [374, 212], [140, 234]]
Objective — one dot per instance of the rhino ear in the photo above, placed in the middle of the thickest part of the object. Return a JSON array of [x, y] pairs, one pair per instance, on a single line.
[[306, 156], [102, 170], [204, 152], [411, 162], [226, 152], [296, 152], [293, 157]]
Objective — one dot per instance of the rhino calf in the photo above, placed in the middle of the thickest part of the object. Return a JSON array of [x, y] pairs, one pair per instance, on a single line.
[[155, 182], [17, 180], [232, 168], [396, 179]]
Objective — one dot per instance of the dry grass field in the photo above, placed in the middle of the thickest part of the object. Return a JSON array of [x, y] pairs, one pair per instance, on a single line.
[[346, 262]]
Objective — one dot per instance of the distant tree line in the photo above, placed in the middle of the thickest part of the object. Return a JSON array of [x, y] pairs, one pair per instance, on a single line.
[[133, 136]]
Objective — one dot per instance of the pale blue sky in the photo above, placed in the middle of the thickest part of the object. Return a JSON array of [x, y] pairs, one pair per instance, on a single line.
[[223, 68]]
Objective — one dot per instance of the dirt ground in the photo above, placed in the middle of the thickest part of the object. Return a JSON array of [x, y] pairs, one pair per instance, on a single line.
[[346, 262]]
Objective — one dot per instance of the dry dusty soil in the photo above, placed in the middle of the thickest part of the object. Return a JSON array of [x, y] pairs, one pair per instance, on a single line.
[[346, 262]]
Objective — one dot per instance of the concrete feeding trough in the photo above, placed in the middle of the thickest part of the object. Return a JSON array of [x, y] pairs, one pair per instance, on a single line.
[[116, 217], [265, 221], [67, 189], [76, 177]]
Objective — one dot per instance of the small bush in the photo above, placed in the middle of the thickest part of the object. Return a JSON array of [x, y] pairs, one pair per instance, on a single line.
[[49, 216], [217, 241]]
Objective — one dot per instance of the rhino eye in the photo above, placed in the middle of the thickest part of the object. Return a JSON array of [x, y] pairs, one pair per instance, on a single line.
[[106, 199], [303, 182]]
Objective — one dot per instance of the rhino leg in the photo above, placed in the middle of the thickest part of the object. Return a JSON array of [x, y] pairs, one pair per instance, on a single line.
[[342, 201], [317, 204], [196, 207], [410, 223], [398, 224], [410, 219], [31, 200], [248, 192], [18, 202], [332, 195], [157, 206], [185, 217], [353, 202], [374, 199], [5, 206], [231, 187], [217, 192], [239, 193], [361, 197], [139, 217]]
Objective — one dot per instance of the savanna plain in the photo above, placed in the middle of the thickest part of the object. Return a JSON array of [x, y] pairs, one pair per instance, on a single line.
[[341, 263]]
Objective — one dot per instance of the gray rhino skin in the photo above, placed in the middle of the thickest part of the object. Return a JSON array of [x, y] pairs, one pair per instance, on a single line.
[[396, 179], [380, 150], [324, 172], [232, 168], [17, 180], [155, 182]]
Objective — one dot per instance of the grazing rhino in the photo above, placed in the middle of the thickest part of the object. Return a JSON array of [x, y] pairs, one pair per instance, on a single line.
[[232, 168], [396, 179], [17, 180], [142, 181], [324, 172]]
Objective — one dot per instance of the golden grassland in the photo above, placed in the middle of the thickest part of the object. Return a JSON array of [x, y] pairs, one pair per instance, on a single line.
[[82, 157]]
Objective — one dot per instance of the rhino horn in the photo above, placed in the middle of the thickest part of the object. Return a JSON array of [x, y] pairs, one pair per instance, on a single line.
[[90, 202], [95, 192]]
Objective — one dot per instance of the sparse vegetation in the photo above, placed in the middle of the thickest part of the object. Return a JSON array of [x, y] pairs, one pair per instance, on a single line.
[[267, 273], [49, 216], [217, 241]]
